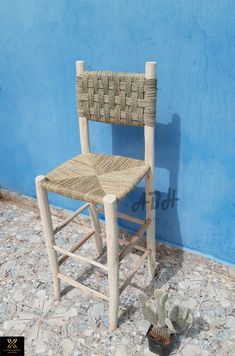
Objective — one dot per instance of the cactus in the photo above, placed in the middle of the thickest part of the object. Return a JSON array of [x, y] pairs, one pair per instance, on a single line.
[[166, 320], [157, 319]]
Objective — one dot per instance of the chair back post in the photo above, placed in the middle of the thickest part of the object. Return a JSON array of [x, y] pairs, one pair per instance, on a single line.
[[83, 122], [150, 73]]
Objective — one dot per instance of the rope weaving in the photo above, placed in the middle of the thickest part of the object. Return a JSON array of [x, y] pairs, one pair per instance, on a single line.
[[118, 98], [89, 177]]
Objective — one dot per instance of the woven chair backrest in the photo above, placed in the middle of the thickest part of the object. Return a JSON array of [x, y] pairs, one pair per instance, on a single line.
[[117, 98]]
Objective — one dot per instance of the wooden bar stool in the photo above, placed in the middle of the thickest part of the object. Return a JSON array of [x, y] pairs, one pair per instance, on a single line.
[[99, 179]]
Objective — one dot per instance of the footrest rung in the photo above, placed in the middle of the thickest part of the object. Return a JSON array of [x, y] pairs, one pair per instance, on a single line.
[[80, 258], [70, 218], [124, 216], [129, 278], [77, 246], [133, 241], [76, 284]]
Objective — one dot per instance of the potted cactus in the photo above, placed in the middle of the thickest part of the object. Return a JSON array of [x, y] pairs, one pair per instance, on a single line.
[[166, 322]]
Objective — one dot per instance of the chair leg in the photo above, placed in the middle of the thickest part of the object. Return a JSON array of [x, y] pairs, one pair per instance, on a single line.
[[96, 227], [48, 232], [150, 213], [110, 209]]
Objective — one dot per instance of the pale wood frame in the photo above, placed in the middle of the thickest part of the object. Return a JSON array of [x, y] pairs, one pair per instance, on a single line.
[[49, 233], [111, 215], [150, 73], [85, 147], [112, 236]]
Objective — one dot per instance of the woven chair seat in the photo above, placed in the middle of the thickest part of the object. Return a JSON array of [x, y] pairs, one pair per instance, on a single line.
[[89, 177]]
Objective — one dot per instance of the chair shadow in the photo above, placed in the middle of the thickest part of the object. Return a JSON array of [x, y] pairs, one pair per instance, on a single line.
[[129, 141], [199, 324], [88, 271]]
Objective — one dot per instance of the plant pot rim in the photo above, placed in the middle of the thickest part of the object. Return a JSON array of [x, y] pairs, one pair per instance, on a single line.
[[172, 338]]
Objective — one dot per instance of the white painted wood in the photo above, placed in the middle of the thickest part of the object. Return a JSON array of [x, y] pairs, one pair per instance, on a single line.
[[80, 258], [83, 122], [149, 146], [85, 147], [84, 135], [85, 289], [80, 67], [70, 218], [110, 208], [130, 218], [97, 228], [77, 246], [150, 73], [150, 70], [48, 232], [135, 238], [131, 275]]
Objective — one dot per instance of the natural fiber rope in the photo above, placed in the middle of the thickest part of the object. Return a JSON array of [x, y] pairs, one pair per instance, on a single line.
[[118, 98], [89, 177]]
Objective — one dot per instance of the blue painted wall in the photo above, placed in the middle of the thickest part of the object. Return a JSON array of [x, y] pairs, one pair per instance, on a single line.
[[193, 44]]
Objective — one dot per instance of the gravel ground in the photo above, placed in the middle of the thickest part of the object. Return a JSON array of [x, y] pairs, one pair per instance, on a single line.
[[77, 324]]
